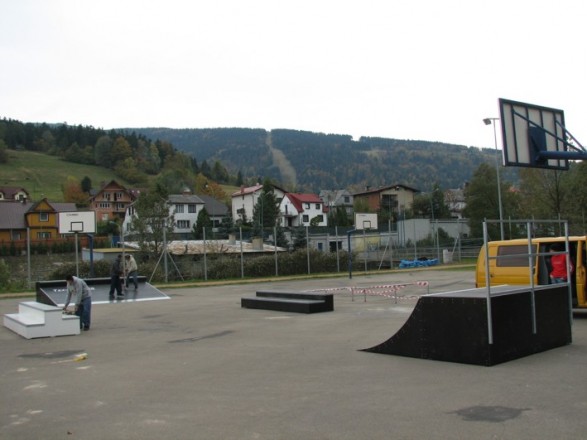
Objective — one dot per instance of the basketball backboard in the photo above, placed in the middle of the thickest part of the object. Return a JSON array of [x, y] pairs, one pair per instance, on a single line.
[[533, 136], [365, 221], [74, 222]]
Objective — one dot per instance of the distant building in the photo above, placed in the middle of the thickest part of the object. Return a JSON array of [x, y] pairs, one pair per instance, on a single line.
[[111, 202], [185, 208], [244, 201], [216, 209], [300, 209], [40, 218], [13, 194], [455, 200], [333, 199], [395, 198]]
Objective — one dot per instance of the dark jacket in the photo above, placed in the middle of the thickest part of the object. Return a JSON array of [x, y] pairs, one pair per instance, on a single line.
[[116, 268]]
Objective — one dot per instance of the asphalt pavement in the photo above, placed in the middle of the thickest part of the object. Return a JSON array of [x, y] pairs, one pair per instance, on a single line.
[[198, 366]]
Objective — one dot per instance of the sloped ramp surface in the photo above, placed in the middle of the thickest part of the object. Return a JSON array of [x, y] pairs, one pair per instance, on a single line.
[[453, 326], [54, 293]]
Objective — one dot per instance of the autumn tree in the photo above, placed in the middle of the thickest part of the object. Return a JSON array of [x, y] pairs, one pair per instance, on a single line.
[[73, 193]]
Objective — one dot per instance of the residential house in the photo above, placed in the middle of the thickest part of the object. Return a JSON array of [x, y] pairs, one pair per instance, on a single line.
[[455, 200], [111, 202], [185, 207], [300, 209], [13, 194], [217, 210], [395, 198], [244, 201], [40, 218], [332, 199]]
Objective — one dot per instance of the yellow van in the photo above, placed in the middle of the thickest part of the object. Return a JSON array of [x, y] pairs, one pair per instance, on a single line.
[[512, 267]]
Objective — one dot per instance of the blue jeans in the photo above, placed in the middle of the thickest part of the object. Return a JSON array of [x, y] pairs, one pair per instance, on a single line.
[[132, 274], [84, 311], [558, 280]]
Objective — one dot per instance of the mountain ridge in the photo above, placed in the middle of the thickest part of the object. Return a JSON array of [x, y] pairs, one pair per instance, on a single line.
[[309, 161]]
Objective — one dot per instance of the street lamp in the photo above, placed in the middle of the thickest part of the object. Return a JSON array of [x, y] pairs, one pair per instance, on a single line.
[[492, 121]]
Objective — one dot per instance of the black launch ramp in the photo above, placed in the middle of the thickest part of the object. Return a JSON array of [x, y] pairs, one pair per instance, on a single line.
[[453, 326]]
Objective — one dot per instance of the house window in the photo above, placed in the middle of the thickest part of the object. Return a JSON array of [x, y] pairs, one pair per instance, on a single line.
[[346, 199], [16, 235], [305, 218], [317, 205], [43, 216], [43, 235], [179, 209], [183, 224], [320, 218], [307, 205], [106, 196], [120, 206], [104, 205], [192, 208]]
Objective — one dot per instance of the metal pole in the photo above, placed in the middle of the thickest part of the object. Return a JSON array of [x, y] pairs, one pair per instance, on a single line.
[[205, 255], [76, 257], [28, 253], [350, 253], [308, 249], [240, 230], [487, 286], [165, 252], [275, 248], [365, 250]]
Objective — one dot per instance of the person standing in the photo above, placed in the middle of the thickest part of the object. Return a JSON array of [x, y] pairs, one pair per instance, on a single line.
[[115, 274], [83, 300], [130, 270], [558, 263]]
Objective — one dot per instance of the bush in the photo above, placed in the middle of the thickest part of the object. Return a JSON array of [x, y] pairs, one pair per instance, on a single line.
[[5, 281]]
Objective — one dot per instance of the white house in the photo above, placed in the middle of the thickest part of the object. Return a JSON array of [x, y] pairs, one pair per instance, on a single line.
[[299, 209], [185, 208], [244, 200]]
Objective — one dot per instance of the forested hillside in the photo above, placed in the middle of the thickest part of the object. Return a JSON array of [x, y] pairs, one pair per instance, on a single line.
[[329, 161], [297, 160]]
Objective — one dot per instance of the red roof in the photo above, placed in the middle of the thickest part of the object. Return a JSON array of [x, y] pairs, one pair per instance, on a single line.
[[297, 199]]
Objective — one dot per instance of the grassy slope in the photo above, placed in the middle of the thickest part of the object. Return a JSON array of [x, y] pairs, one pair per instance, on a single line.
[[42, 175]]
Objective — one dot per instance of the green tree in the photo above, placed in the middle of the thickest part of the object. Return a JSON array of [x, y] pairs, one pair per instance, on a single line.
[[121, 150], [339, 217], [86, 184], [3, 152], [266, 209], [102, 152], [152, 220], [203, 221], [482, 201]]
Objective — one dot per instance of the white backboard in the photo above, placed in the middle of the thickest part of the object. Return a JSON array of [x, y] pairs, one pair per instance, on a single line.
[[77, 222], [365, 221]]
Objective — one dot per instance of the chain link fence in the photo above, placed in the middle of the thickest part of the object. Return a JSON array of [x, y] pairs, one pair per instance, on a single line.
[[241, 253]]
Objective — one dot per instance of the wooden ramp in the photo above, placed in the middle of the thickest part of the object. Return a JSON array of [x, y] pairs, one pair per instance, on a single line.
[[453, 326]]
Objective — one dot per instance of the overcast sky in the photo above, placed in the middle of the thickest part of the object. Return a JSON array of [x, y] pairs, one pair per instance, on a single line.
[[406, 69]]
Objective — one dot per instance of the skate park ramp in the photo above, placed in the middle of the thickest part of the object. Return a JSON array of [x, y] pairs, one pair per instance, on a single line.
[[54, 293], [453, 326]]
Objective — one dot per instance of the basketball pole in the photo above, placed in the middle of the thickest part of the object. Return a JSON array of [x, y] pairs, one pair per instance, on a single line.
[[493, 122]]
